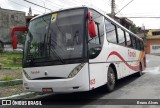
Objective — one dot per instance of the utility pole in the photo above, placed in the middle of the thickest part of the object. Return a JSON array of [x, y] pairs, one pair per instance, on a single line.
[[113, 8], [30, 12], [144, 31]]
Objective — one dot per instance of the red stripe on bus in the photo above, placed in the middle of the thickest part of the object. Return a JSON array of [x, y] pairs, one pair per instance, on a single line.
[[135, 68]]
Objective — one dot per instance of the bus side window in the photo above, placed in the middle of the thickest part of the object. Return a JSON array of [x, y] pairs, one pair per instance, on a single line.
[[133, 42], [110, 32], [121, 38], [138, 43], [95, 44], [128, 40], [141, 45]]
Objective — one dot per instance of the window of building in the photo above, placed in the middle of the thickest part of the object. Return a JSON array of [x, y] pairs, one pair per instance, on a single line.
[[155, 33]]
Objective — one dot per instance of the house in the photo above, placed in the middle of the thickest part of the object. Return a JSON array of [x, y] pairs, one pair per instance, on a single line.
[[153, 42], [123, 21]]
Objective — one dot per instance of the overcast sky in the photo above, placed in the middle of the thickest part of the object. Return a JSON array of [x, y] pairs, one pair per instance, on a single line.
[[137, 8]]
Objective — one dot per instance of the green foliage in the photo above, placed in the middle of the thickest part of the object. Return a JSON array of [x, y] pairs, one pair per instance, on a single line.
[[6, 78], [135, 29], [10, 55], [11, 60]]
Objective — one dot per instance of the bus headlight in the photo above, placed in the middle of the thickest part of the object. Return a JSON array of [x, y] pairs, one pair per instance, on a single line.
[[27, 76], [76, 70]]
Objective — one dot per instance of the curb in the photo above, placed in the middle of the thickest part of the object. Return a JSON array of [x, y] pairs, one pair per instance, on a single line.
[[11, 82], [11, 68], [20, 96]]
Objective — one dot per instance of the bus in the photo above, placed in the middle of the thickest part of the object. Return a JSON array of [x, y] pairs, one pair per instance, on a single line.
[[79, 49]]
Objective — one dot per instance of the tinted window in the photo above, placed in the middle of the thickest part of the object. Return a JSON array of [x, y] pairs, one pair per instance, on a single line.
[[128, 40], [95, 44], [121, 39], [141, 45], [138, 44], [133, 41], [55, 38], [110, 32], [99, 20]]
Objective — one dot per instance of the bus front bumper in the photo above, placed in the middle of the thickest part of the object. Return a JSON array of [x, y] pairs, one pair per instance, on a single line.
[[75, 84]]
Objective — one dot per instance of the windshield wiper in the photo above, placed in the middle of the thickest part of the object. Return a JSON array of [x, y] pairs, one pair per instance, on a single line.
[[52, 49], [55, 53]]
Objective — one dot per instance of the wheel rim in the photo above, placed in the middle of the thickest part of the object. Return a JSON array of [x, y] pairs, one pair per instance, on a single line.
[[111, 79]]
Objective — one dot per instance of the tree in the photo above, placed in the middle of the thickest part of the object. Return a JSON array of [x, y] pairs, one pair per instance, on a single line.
[[135, 29]]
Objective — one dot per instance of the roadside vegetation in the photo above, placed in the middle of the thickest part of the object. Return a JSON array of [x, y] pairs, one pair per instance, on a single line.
[[10, 60], [11, 90], [10, 66], [10, 69]]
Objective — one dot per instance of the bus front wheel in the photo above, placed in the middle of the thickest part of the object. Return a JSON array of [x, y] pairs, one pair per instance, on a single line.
[[111, 80]]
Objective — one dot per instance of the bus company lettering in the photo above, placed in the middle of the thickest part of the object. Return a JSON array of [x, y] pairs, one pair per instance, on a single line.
[[35, 72], [131, 53]]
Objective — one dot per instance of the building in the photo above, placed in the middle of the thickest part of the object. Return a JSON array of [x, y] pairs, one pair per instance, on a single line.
[[8, 20], [127, 23], [28, 18], [124, 21], [153, 42]]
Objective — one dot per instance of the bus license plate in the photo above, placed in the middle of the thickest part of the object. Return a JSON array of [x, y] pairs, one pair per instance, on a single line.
[[47, 90]]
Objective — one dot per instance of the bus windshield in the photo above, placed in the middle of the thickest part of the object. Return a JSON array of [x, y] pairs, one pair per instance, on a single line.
[[54, 38]]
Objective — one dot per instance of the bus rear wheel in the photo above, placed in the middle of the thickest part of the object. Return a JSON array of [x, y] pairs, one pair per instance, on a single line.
[[111, 80], [140, 70]]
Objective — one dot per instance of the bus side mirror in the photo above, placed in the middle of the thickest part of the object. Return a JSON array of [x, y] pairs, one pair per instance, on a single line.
[[91, 26], [92, 29]]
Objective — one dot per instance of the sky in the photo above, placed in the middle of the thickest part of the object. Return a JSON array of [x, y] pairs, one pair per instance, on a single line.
[[137, 8]]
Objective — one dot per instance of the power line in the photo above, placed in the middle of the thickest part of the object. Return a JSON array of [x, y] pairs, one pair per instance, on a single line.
[[23, 5], [48, 3], [37, 5], [142, 17], [54, 3], [124, 6]]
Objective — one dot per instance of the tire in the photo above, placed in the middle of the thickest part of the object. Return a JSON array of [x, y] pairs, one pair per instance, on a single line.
[[111, 80], [140, 71]]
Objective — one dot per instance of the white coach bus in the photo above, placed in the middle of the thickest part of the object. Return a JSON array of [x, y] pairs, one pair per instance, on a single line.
[[79, 49]]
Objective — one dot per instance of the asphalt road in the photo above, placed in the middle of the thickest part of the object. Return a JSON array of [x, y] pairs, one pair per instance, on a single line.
[[145, 87]]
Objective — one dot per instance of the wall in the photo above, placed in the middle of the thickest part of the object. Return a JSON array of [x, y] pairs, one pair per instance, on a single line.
[[8, 20], [153, 46]]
